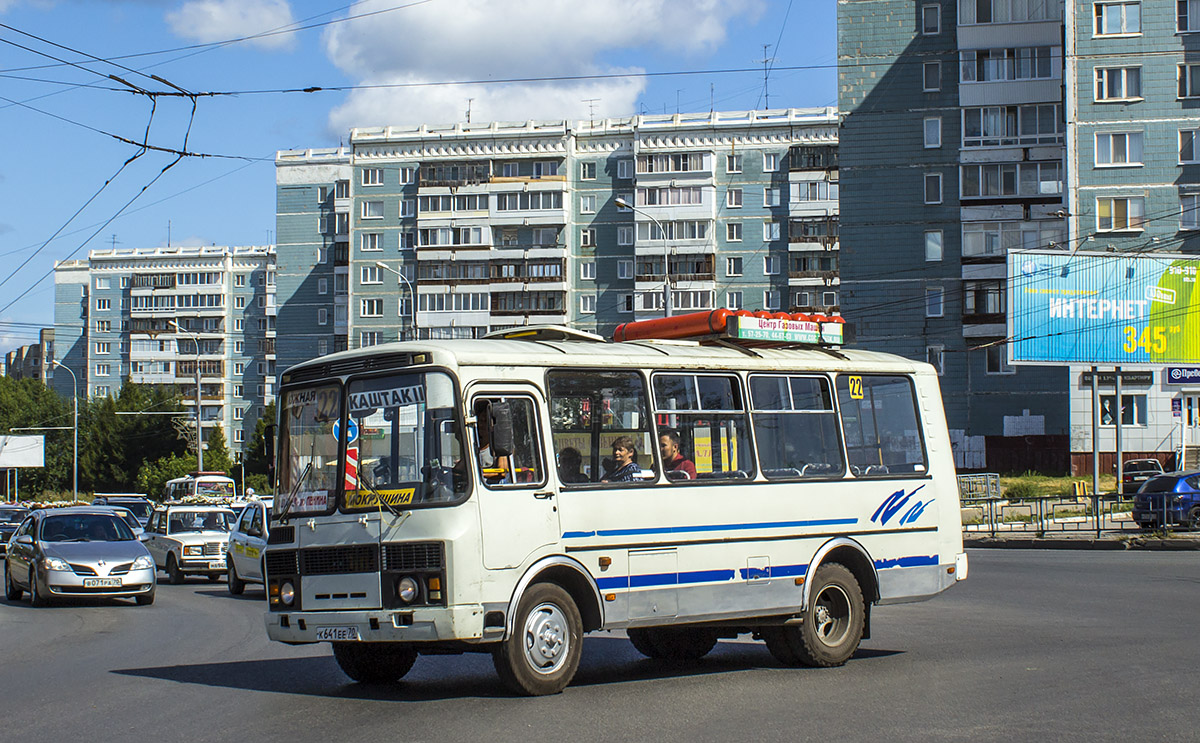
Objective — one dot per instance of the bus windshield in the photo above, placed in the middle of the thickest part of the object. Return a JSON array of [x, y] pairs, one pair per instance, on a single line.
[[308, 448]]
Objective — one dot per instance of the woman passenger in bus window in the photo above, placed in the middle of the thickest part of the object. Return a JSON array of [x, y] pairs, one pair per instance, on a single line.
[[624, 468]]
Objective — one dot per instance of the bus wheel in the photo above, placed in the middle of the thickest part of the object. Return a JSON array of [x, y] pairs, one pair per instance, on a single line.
[[678, 643], [642, 642], [374, 662], [832, 626], [543, 653]]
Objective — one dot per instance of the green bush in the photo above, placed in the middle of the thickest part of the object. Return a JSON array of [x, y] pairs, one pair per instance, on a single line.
[[1020, 490]]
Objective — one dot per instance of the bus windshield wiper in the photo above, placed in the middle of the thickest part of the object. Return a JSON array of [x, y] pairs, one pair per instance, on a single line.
[[287, 506], [362, 478]]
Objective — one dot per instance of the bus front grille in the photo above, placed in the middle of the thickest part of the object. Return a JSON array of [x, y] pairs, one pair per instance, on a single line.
[[282, 562], [282, 535], [355, 558], [413, 556]]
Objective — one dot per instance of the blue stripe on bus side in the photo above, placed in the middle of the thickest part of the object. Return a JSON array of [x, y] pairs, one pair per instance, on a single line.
[[715, 576], [907, 562], [707, 528]]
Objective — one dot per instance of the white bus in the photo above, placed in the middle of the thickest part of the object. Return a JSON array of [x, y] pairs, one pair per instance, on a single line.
[[509, 494], [199, 485]]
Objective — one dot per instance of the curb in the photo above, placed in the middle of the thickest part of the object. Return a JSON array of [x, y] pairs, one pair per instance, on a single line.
[[1135, 543]]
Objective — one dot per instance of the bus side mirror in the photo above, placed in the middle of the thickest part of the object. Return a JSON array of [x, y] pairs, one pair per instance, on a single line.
[[501, 428]]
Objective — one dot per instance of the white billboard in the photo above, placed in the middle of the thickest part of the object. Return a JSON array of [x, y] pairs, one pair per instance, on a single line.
[[22, 451]]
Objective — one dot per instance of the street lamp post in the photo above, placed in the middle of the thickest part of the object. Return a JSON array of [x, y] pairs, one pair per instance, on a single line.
[[199, 431], [622, 203], [74, 427], [412, 295]]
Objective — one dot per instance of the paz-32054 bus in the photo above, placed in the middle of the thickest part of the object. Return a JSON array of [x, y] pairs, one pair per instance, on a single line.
[[511, 493]]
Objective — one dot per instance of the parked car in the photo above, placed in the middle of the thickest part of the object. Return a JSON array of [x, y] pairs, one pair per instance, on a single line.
[[141, 507], [246, 545], [1175, 496], [10, 518], [77, 551], [1135, 472], [189, 540]]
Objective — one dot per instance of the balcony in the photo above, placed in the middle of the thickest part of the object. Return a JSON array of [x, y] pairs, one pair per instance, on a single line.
[[827, 276], [152, 281], [809, 157], [453, 175]]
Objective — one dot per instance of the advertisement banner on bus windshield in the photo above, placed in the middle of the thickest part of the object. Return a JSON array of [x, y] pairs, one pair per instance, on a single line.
[[1101, 308]]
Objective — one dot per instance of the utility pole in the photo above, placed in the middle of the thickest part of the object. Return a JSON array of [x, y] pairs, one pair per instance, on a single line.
[[766, 73]]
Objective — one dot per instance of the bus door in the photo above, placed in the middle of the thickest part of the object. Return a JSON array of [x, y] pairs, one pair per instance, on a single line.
[[517, 504]]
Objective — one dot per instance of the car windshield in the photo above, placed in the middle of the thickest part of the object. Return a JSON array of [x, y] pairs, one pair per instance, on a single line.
[[12, 515], [85, 527], [199, 521]]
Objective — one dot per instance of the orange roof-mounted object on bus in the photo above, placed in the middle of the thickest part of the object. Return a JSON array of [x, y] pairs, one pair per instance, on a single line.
[[741, 326]]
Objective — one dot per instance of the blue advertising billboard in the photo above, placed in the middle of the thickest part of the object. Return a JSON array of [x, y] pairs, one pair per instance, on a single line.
[[1103, 308]]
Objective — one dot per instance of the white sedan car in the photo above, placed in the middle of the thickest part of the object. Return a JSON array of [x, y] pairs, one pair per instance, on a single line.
[[246, 545], [189, 540]]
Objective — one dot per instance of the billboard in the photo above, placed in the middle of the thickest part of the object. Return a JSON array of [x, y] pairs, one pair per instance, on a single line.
[[22, 451], [1103, 308]]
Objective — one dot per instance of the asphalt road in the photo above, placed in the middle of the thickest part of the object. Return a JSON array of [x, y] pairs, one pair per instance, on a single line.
[[1036, 645]]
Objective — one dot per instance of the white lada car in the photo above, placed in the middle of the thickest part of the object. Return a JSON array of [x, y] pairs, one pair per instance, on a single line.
[[189, 540]]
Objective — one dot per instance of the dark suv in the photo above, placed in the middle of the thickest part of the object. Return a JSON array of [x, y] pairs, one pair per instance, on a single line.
[[1175, 496], [1136, 472], [141, 507]]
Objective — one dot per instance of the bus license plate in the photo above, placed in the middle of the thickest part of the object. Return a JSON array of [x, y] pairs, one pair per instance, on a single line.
[[101, 582], [337, 633], [216, 565]]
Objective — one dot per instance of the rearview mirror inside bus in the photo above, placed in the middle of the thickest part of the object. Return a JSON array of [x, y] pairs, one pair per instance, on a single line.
[[499, 420]]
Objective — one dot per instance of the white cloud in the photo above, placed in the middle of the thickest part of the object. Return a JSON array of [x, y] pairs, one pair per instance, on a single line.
[[218, 20], [502, 39]]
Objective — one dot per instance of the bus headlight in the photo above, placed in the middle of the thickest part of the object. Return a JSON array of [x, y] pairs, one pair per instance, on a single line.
[[407, 589], [287, 593]]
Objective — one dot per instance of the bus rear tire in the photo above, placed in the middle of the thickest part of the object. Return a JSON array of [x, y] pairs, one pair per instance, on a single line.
[[374, 662], [832, 626], [542, 654], [679, 644]]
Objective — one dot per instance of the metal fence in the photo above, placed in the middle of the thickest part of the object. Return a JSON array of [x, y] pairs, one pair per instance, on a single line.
[[985, 511]]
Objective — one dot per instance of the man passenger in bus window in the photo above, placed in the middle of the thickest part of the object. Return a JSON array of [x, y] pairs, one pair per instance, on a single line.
[[570, 462], [677, 466], [624, 468]]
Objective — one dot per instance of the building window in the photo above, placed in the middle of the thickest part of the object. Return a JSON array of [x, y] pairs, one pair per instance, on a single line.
[[1188, 15], [1000, 65], [733, 265], [829, 298], [408, 175], [771, 197], [933, 188], [624, 269], [995, 126], [408, 207], [239, 346], [934, 356], [770, 231], [587, 237], [103, 326], [625, 169], [587, 171], [103, 304], [370, 275], [997, 360], [102, 391], [733, 300], [587, 204], [322, 346], [625, 303], [371, 307], [1189, 80], [239, 303], [733, 198], [933, 132], [369, 241], [372, 210], [322, 254], [322, 316], [1113, 19], [368, 338], [322, 286], [102, 370], [103, 347], [935, 301], [1012, 179], [625, 235], [587, 270], [1119, 148], [933, 245], [372, 176], [102, 283], [628, 199], [587, 304], [770, 299], [1133, 410], [770, 162], [1122, 213], [932, 76], [1118, 83], [733, 163], [733, 232], [1189, 211], [771, 265], [931, 19]]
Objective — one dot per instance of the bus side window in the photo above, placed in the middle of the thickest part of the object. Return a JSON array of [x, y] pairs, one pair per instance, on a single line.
[[703, 433], [590, 411], [881, 425], [795, 427], [522, 466]]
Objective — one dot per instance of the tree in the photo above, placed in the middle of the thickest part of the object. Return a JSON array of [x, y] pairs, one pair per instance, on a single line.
[[216, 454], [26, 403], [114, 447]]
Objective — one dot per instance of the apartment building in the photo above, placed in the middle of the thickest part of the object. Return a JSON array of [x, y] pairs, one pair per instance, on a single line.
[[32, 361], [157, 315], [451, 231]]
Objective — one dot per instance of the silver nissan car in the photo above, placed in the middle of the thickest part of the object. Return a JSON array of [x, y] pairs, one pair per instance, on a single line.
[[79, 551]]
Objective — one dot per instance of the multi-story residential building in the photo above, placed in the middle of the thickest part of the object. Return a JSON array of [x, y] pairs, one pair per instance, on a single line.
[[457, 230], [156, 315], [32, 361], [973, 129]]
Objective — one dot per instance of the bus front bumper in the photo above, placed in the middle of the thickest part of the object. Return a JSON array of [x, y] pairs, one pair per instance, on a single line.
[[462, 623]]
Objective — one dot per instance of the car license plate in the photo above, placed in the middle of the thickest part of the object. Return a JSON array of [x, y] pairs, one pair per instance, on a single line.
[[216, 565], [101, 582], [337, 633]]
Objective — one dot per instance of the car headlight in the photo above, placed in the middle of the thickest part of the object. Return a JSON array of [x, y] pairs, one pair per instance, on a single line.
[[407, 589], [56, 563], [145, 562], [287, 593], [195, 550]]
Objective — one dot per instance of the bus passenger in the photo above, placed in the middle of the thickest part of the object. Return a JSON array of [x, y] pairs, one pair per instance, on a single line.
[[569, 463], [624, 466], [675, 464]]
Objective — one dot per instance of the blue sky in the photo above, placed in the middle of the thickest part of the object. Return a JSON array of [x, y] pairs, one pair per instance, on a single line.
[[62, 116]]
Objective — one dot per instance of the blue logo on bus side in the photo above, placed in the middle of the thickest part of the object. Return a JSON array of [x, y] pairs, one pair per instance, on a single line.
[[896, 502]]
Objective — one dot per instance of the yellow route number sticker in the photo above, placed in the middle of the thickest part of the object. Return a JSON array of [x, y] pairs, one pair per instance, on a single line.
[[855, 384]]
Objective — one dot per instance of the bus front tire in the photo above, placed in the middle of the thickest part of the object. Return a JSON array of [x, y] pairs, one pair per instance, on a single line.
[[679, 644], [543, 653], [832, 626], [374, 662]]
